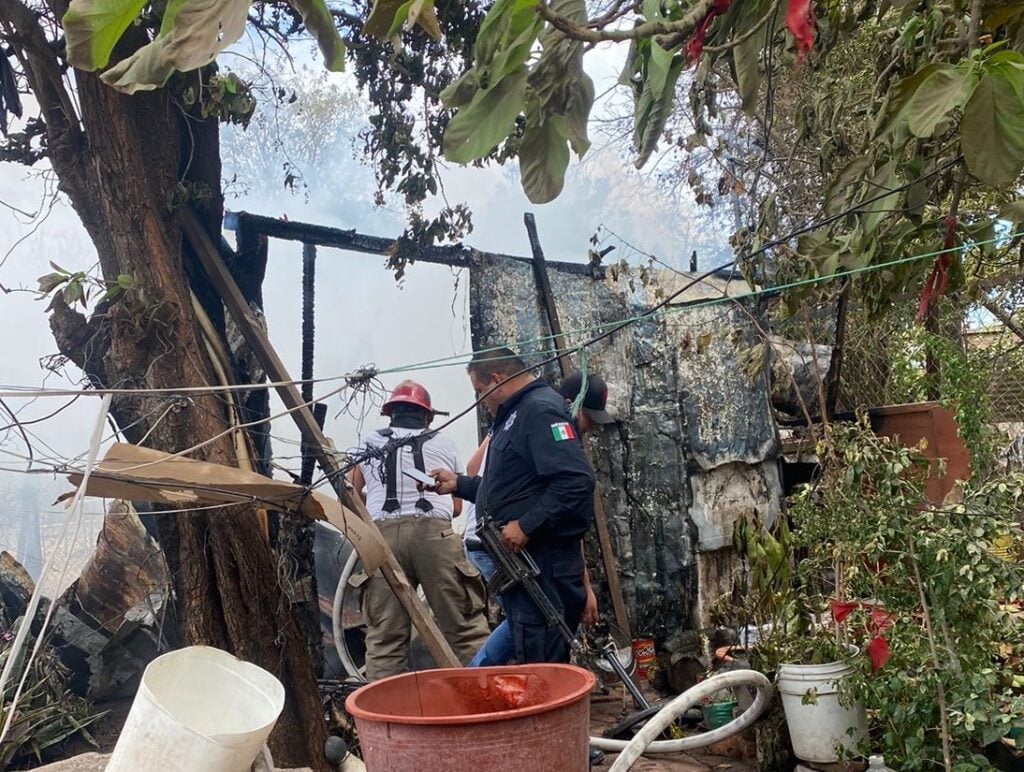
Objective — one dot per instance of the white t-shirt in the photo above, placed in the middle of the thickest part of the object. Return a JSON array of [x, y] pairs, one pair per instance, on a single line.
[[439, 452], [469, 508]]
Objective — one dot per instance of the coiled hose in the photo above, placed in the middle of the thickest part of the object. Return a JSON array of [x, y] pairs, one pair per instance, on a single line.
[[340, 645], [645, 742]]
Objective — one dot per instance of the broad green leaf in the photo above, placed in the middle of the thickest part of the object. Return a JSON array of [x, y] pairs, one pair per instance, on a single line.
[[992, 131], [461, 91], [938, 95], [559, 97], [388, 16], [659, 65], [477, 128], [320, 23], [93, 28], [381, 20], [917, 193], [506, 36], [543, 159], [200, 29], [894, 112], [885, 179], [844, 187], [422, 13], [652, 114], [746, 59]]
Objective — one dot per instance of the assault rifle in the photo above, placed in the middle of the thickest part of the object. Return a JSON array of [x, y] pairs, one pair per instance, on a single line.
[[519, 568]]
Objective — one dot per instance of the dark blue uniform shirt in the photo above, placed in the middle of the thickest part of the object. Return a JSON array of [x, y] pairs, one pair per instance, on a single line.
[[536, 471]]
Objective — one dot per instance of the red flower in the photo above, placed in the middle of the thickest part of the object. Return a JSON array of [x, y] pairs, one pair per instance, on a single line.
[[695, 45], [937, 280], [878, 651], [880, 620], [800, 23]]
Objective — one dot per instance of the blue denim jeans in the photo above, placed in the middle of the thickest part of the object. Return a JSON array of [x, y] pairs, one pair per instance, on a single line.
[[499, 647]]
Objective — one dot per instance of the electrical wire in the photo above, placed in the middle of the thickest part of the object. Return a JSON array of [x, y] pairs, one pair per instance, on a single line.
[[74, 515]]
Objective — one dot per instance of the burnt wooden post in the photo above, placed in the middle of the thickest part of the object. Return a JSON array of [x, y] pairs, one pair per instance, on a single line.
[[604, 537], [239, 310]]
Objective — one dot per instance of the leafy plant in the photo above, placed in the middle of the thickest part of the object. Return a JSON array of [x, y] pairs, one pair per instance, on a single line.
[[191, 33], [80, 287], [925, 578], [47, 714]]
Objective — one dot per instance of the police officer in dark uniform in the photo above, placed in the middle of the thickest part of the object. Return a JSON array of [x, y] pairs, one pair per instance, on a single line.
[[538, 488]]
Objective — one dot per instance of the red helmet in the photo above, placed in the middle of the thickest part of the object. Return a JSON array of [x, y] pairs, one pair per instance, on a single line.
[[409, 393]]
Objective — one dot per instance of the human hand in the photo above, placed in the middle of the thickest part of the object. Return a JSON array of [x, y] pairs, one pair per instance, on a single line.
[[590, 609], [444, 480], [512, 536]]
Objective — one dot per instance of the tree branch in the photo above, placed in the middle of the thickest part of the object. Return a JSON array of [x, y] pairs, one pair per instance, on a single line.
[[21, 29], [647, 29], [1007, 321]]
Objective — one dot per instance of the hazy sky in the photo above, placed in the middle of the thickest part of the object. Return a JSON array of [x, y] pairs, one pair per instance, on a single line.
[[362, 315]]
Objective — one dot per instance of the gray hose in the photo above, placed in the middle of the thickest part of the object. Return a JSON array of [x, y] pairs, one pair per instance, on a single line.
[[644, 741], [340, 645]]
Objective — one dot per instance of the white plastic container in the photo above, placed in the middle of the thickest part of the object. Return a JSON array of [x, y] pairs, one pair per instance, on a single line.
[[198, 708], [818, 727]]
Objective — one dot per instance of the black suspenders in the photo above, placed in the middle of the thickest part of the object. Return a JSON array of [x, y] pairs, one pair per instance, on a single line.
[[391, 503]]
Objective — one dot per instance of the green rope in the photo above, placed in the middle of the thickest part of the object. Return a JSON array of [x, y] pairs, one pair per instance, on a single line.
[[577, 404], [457, 359]]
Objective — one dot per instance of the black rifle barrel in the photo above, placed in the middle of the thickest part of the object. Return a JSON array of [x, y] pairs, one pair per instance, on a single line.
[[520, 568]]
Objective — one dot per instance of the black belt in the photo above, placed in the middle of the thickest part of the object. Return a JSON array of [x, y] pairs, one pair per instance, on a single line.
[[475, 545]]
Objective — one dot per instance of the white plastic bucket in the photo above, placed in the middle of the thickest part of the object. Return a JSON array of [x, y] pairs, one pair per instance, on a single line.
[[820, 726], [198, 708]]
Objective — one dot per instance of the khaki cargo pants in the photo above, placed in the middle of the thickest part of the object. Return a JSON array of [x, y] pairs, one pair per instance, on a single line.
[[431, 555]]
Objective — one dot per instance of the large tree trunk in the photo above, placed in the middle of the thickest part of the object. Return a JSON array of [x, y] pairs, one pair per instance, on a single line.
[[125, 166]]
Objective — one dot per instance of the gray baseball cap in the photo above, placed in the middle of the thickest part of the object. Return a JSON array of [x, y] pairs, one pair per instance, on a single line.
[[595, 401]]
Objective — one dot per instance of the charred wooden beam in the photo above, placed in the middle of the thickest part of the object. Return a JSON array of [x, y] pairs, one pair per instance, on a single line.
[[352, 241]]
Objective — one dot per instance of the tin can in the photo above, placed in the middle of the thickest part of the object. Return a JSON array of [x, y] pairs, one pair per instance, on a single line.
[[644, 657]]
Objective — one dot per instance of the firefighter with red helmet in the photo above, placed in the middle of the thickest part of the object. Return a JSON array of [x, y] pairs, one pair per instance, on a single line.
[[417, 525]]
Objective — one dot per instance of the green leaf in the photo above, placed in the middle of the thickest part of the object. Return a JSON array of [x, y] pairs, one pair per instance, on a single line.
[[422, 12], [939, 94], [844, 187], [384, 18], [192, 34], [992, 131], [93, 28], [506, 36], [894, 112], [388, 16], [49, 282], [320, 23], [746, 58], [559, 98], [462, 91], [543, 160], [885, 179], [653, 111], [477, 128]]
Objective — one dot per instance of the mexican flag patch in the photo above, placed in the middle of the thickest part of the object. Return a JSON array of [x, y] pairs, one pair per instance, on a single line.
[[562, 431]]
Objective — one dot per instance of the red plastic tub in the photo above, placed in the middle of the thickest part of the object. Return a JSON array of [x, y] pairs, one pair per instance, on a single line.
[[517, 718]]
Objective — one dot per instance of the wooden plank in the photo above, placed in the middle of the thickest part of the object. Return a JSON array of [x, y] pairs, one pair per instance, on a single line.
[[604, 536], [311, 433]]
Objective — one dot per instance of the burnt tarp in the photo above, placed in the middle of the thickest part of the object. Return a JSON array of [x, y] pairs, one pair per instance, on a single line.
[[695, 447]]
